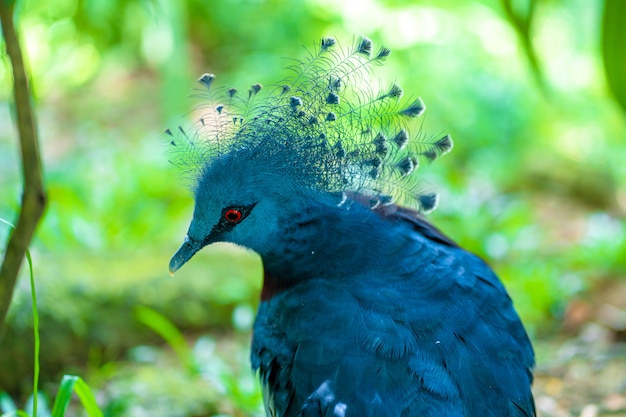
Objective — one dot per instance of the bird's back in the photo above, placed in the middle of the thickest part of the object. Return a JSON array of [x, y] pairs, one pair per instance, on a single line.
[[411, 326]]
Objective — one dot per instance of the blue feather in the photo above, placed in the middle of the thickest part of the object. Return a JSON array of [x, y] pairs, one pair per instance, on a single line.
[[366, 308]]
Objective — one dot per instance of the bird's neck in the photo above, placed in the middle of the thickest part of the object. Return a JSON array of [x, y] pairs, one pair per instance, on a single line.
[[337, 243]]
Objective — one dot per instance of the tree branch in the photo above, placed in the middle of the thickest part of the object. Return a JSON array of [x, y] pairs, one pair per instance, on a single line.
[[34, 196], [522, 25]]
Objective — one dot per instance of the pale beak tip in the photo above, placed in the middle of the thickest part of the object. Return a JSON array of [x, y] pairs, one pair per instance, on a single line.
[[184, 253]]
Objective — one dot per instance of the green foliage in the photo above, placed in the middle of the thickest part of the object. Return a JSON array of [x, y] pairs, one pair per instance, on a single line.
[[37, 344], [8, 407], [168, 331], [68, 385], [536, 183], [613, 36], [71, 384]]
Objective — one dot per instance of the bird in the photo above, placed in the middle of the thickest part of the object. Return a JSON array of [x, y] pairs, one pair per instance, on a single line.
[[367, 308]]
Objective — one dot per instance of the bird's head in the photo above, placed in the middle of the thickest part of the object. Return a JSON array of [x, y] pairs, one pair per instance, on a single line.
[[241, 202], [256, 160]]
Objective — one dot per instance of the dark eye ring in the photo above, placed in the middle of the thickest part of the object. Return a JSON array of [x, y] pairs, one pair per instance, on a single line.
[[233, 215]]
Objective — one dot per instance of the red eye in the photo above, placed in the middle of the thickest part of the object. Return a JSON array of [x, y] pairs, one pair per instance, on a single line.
[[233, 215]]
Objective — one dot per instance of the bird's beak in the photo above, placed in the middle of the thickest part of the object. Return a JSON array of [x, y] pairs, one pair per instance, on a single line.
[[184, 253]]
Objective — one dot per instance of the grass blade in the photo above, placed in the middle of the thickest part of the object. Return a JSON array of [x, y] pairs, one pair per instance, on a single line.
[[168, 331], [64, 395], [87, 398], [69, 384]]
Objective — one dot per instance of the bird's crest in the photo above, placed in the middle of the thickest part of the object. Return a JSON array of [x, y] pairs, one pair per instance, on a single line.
[[325, 126]]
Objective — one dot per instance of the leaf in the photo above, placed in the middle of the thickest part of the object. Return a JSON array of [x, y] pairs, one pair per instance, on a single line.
[[64, 395], [69, 384], [168, 331], [613, 39], [86, 398]]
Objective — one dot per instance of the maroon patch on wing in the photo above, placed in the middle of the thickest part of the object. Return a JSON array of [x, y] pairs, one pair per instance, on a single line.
[[394, 212], [418, 221]]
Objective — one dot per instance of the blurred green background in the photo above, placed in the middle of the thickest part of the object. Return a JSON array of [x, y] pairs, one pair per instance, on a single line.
[[536, 183]]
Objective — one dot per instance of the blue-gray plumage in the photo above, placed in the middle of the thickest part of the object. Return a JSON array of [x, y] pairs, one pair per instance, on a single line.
[[366, 308]]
